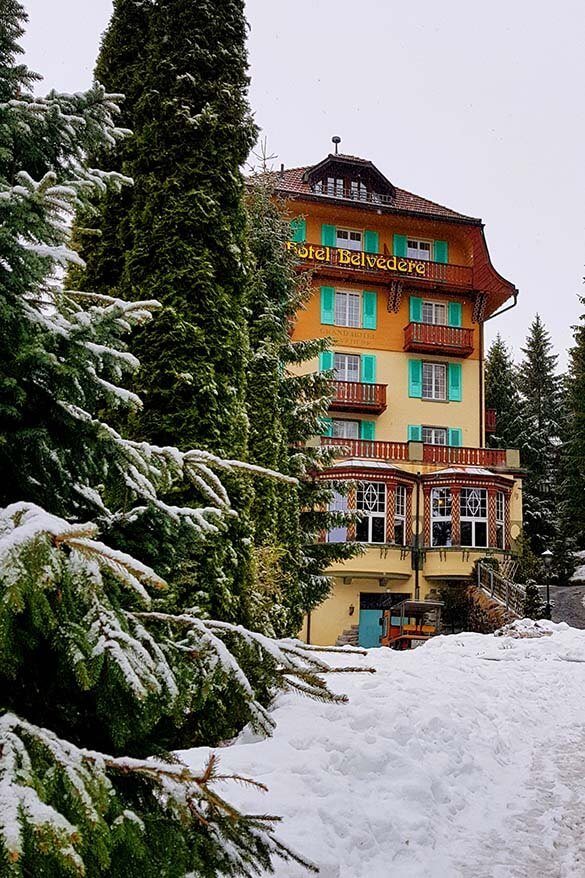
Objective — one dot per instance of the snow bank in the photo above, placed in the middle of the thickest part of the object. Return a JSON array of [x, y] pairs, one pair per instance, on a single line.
[[463, 757]]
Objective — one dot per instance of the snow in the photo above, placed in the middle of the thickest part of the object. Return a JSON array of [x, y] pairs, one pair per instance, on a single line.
[[461, 758], [579, 574]]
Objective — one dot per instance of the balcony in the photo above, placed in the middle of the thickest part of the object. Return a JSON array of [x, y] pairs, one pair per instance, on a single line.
[[380, 267], [432, 338], [490, 420], [356, 396], [410, 451]]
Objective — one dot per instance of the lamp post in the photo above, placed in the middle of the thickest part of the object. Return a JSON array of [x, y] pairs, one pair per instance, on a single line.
[[547, 557]]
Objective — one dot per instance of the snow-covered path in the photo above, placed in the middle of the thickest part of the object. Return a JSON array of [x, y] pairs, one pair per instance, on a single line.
[[465, 757]]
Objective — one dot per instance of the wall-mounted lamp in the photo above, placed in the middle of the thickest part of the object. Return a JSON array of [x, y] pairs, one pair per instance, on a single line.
[[351, 610]]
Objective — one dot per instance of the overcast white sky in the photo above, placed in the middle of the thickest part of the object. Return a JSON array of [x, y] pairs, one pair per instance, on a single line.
[[477, 106]]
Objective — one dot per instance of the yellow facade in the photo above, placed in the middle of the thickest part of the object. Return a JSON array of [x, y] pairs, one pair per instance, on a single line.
[[392, 455]]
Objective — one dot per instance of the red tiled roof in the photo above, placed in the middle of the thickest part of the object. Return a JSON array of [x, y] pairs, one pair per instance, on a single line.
[[290, 181]]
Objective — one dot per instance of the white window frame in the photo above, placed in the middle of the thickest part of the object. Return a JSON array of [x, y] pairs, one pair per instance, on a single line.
[[416, 252], [438, 309], [341, 368], [441, 512], [355, 243], [358, 191], [437, 368], [500, 520], [364, 491], [335, 186], [434, 435], [338, 503], [350, 313], [469, 517], [341, 429], [400, 512]]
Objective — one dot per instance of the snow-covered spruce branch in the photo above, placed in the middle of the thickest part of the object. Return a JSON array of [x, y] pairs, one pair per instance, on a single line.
[[31, 803], [297, 668]]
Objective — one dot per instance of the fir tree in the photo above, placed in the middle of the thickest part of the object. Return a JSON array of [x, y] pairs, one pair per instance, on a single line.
[[285, 411], [534, 606], [573, 450], [502, 394], [96, 674], [183, 235], [540, 436]]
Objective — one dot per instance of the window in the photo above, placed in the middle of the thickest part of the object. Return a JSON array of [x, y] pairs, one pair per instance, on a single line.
[[347, 367], [434, 312], [474, 526], [335, 186], [500, 520], [358, 191], [400, 516], [371, 504], [347, 308], [441, 501], [349, 239], [418, 249], [434, 435], [342, 429], [434, 383], [338, 534]]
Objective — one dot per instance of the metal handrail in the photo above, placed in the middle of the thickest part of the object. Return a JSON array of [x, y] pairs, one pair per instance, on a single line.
[[507, 593]]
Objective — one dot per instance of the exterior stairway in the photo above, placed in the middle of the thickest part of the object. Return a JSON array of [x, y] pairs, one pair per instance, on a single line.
[[507, 594], [349, 637]]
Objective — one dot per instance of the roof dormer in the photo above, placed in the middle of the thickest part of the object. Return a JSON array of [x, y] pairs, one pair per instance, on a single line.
[[350, 178]]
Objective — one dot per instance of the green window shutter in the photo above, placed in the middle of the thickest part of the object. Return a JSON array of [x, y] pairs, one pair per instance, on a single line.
[[414, 433], [371, 242], [454, 382], [441, 251], [369, 309], [325, 361], [368, 368], [328, 235], [415, 310], [456, 437], [326, 427], [454, 313], [415, 378], [328, 305], [298, 230], [367, 430], [400, 245]]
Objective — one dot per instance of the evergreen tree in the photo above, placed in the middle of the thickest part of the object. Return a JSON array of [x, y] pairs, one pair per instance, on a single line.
[[90, 657], [502, 394], [183, 241], [573, 449], [285, 411], [534, 606], [540, 436]]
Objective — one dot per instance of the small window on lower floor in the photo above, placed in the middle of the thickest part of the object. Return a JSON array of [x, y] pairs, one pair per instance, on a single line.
[[441, 504], [474, 525], [371, 504], [342, 429], [400, 516], [434, 435], [500, 520]]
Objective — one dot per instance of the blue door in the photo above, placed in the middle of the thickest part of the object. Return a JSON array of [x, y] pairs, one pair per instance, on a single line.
[[370, 628]]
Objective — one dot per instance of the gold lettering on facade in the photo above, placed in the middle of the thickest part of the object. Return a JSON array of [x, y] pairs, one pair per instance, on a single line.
[[358, 259]]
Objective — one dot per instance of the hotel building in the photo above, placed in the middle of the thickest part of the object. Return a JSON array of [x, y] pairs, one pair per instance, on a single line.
[[403, 286]]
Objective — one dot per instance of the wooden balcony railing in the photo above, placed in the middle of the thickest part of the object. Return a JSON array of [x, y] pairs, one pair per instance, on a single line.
[[434, 338], [490, 420], [381, 266], [464, 456], [356, 396], [441, 454], [368, 449]]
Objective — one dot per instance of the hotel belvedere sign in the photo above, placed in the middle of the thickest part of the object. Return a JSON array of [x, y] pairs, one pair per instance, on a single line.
[[358, 259]]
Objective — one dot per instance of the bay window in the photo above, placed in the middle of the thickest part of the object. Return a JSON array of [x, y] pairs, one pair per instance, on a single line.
[[371, 504], [500, 520], [338, 503], [474, 523], [441, 504], [400, 516]]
